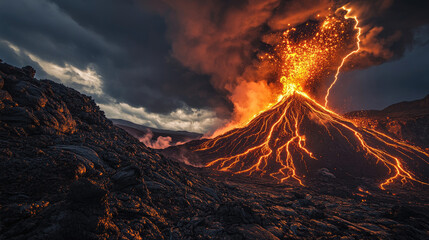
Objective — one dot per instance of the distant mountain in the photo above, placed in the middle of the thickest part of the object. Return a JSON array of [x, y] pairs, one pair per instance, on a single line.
[[140, 131], [404, 109], [408, 121]]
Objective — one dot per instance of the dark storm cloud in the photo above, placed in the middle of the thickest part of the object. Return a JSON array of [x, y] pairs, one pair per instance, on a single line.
[[145, 74], [121, 40], [49, 33], [165, 55], [380, 86], [390, 28]]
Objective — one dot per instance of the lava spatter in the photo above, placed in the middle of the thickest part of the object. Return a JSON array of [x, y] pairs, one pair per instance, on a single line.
[[297, 136]]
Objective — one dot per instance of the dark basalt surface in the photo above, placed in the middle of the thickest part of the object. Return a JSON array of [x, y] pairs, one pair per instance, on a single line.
[[67, 173]]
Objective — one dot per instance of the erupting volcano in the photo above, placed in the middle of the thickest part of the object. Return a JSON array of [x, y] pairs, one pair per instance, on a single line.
[[297, 136], [113, 146]]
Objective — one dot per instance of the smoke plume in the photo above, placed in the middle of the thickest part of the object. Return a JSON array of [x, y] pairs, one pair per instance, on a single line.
[[223, 39], [160, 143], [390, 27]]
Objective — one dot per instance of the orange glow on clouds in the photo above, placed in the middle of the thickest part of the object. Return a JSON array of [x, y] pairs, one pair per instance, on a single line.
[[277, 128]]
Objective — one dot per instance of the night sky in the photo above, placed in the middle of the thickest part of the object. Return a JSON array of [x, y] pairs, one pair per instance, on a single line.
[[173, 64]]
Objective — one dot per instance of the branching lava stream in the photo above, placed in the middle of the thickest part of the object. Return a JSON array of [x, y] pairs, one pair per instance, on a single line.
[[298, 135]]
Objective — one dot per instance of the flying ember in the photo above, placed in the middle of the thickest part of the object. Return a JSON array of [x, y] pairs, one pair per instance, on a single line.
[[283, 142], [307, 53]]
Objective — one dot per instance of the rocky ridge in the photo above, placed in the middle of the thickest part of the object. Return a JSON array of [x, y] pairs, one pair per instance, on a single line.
[[408, 121], [67, 173]]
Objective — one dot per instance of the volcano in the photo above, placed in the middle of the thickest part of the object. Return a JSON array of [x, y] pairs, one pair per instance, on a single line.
[[66, 172], [298, 137]]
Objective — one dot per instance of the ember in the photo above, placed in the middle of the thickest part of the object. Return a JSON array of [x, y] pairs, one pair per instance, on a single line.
[[282, 141]]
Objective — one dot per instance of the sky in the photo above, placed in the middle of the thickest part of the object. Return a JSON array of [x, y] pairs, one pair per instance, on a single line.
[[186, 64], [377, 87]]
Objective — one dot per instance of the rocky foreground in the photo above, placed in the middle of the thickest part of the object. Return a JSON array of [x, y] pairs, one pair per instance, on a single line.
[[67, 173]]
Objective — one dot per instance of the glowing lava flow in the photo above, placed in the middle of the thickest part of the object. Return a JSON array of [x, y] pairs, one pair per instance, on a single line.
[[274, 142], [348, 55], [297, 136], [390, 161], [265, 150]]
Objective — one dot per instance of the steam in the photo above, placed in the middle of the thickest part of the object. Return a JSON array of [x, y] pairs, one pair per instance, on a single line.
[[160, 143]]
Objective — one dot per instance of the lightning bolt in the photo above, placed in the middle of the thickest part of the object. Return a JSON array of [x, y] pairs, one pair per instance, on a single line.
[[271, 140], [348, 55]]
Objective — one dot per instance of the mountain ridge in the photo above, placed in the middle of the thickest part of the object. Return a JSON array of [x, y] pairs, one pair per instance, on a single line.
[[408, 121], [139, 131]]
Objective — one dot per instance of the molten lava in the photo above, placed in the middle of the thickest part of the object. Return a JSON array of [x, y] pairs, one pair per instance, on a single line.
[[297, 136]]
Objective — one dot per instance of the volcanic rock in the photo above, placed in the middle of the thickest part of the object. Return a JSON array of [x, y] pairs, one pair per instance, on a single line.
[[324, 172], [67, 173]]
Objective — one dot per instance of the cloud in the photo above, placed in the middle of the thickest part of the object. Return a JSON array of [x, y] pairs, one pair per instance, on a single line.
[[165, 57], [122, 41], [390, 28], [44, 29], [86, 80], [194, 120]]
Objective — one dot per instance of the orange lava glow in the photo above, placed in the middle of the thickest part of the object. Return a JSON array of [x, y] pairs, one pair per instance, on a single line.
[[273, 138]]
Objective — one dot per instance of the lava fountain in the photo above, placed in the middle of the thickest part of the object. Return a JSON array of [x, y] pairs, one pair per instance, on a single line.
[[297, 136]]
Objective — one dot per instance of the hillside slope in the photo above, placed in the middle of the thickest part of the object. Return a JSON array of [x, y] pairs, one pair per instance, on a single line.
[[67, 173]]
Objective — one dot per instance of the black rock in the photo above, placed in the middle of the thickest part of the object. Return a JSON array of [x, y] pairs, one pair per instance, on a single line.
[[67, 173], [29, 71], [84, 192]]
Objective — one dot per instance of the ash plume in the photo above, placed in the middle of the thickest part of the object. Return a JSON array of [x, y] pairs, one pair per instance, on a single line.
[[187, 56], [223, 39], [390, 28]]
